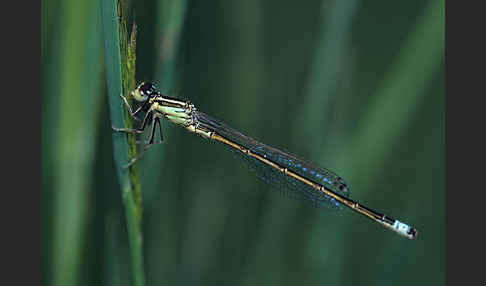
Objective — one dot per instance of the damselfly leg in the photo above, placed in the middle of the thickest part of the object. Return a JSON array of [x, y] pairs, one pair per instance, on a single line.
[[132, 113], [154, 121]]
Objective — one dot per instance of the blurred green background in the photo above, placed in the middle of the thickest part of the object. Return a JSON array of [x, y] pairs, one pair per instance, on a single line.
[[357, 87]]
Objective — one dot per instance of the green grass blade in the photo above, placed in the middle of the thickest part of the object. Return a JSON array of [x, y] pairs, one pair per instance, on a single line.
[[171, 15], [120, 58], [170, 25], [400, 93], [331, 42], [161, 194], [326, 77], [72, 82]]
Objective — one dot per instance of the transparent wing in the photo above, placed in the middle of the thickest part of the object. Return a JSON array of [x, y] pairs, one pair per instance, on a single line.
[[284, 183]]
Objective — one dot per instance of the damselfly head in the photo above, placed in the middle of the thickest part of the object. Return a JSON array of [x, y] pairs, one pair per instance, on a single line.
[[144, 91]]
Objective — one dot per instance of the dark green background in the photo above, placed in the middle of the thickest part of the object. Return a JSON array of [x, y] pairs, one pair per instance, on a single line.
[[355, 86]]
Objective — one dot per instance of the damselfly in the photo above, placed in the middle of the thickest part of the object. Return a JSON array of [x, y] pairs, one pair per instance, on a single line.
[[302, 179]]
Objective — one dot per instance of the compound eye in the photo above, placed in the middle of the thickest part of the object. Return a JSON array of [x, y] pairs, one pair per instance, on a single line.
[[147, 88]]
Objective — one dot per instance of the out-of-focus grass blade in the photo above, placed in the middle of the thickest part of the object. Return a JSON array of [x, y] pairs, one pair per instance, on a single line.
[[399, 94], [336, 18], [112, 252], [170, 18], [326, 74], [397, 98], [128, 178], [74, 84], [317, 114], [50, 94], [170, 25]]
